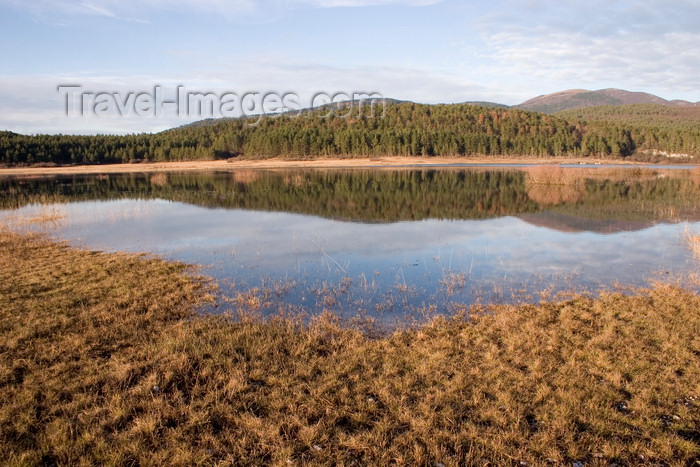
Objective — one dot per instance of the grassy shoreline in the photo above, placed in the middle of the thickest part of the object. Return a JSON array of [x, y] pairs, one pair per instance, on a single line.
[[104, 360], [321, 162]]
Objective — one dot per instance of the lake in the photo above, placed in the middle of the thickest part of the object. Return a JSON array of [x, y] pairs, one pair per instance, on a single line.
[[392, 244]]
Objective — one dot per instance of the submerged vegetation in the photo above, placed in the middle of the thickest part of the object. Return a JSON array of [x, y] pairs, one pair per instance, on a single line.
[[104, 360], [694, 244], [398, 129]]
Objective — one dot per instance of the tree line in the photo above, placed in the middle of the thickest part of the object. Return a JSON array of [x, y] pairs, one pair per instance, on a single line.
[[652, 127], [401, 129]]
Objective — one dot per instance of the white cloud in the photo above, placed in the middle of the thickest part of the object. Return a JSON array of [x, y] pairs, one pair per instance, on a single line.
[[647, 44], [233, 10], [33, 104], [357, 3], [527, 48]]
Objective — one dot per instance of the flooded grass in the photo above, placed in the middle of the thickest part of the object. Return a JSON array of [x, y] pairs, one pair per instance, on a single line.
[[453, 281], [104, 360], [45, 216], [693, 243]]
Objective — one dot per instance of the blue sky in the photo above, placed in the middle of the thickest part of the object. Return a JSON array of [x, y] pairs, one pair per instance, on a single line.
[[421, 50]]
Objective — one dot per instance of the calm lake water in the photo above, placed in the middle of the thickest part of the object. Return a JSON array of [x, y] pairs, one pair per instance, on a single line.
[[385, 243]]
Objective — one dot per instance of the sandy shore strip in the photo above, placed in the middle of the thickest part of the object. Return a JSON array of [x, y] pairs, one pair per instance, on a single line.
[[279, 163]]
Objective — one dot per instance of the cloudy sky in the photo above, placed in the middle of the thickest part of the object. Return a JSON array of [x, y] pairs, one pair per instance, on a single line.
[[422, 50]]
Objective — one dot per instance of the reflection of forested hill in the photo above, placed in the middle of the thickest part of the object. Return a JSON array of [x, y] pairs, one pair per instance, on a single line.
[[565, 223], [391, 195], [367, 196]]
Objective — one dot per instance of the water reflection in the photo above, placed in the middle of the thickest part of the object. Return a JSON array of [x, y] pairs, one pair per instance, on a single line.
[[384, 243]]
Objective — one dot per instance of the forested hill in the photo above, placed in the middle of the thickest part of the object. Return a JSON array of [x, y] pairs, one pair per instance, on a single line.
[[403, 129], [654, 128], [639, 115]]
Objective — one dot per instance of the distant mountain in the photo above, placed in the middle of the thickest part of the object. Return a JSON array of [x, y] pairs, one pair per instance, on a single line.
[[580, 98]]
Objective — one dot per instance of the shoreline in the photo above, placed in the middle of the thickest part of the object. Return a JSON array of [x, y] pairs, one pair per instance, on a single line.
[[325, 163]]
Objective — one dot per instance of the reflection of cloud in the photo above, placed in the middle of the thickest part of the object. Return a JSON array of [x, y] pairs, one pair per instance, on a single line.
[[259, 243]]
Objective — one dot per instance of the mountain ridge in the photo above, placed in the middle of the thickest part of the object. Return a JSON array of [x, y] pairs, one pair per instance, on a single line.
[[581, 98]]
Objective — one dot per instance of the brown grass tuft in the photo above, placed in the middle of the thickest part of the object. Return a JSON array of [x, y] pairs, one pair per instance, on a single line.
[[552, 185], [547, 175], [695, 175], [693, 243], [548, 195], [159, 179], [452, 282], [246, 176], [49, 215], [297, 180]]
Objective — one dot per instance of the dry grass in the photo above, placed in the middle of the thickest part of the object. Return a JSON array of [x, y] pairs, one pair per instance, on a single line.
[[552, 175], [246, 176], [693, 243], [159, 179], [452, 282], [256, 162], [695, 174], [48, 215], [548, 174], [552, 185], [103, 362], [552, 195]]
